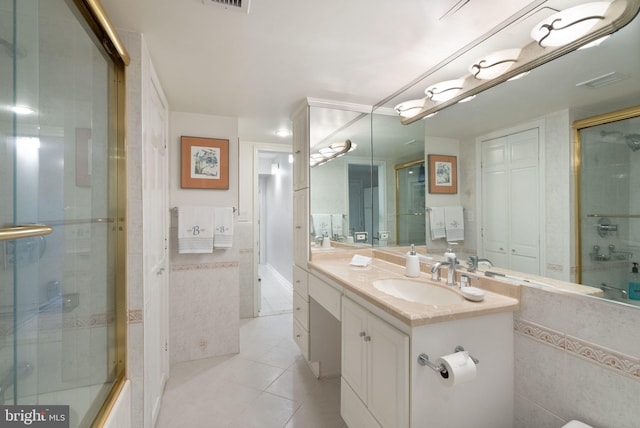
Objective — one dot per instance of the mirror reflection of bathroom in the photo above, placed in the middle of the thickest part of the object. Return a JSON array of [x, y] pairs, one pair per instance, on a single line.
[[410, 203], [610, 203], [364, 203]]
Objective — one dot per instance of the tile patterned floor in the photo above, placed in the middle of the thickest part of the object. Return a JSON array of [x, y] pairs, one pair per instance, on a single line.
[[267, 385], [277, 294]]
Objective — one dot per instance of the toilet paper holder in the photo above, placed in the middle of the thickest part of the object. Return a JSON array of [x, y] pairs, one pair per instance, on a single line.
[[423, 360]]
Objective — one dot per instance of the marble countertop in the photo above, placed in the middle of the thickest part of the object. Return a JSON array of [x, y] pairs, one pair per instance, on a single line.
[[359, 280]]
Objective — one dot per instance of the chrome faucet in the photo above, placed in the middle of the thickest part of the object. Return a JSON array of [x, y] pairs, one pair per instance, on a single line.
[[473, 263], [435, 270]]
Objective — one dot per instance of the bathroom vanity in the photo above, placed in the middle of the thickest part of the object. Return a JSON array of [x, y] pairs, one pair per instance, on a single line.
[[345, 325]]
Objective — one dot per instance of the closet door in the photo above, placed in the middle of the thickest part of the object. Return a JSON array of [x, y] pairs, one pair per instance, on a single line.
[[511, 202], [495, 230]]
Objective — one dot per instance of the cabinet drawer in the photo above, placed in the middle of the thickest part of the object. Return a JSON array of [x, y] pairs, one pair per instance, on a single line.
[[301, 337], [327, 296], [301, 310], [301, 282]]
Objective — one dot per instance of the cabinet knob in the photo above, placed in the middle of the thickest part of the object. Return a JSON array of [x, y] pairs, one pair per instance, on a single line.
[[513, 251], [363, 333], [298, 308], [297, 336], [367, 338], [501, 249]]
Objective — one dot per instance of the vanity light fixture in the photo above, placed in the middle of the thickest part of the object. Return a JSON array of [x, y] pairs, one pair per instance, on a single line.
[[331, 152], [570, 24], [561, 33], [494, 64], [444, 91], [410, 108]]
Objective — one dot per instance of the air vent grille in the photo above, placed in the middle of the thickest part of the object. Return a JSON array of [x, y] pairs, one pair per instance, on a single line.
[[238, 5], [605, 79]]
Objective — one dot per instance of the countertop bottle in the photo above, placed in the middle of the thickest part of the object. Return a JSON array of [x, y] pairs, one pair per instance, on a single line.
[[412, 267], [634, 283]]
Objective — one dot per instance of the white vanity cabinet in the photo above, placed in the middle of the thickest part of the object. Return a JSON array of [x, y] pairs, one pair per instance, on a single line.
[[301, 309], [375, 370]]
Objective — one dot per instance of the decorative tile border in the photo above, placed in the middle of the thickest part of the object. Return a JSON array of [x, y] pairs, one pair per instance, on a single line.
[[622, 364]]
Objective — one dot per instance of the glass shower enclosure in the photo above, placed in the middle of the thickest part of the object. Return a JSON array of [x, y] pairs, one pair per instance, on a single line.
[[57, 237], [608, 155]]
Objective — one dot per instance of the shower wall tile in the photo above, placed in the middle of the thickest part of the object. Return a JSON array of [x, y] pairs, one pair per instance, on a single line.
[[571, 363], [531, 415]]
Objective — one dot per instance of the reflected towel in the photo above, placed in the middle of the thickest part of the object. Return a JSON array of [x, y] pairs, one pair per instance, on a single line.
[[436, 223], [322, 224], [195, 229], [454, 223], [223, 223]]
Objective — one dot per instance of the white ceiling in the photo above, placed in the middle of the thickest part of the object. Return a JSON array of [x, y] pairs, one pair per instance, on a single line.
[[259, 66]]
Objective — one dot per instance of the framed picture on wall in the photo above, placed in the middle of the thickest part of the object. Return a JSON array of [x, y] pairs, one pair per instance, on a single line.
[[204, 163], [443, 174]]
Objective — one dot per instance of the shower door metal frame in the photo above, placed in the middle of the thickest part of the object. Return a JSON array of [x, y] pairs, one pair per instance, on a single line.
[[579, 125], [94, 16]]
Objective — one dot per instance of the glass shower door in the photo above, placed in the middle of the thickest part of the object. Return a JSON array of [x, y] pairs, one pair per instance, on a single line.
[[410, 203], [57, 211], [610, 201]]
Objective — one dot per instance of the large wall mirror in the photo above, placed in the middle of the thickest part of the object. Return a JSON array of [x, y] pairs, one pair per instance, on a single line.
[[513, 118]]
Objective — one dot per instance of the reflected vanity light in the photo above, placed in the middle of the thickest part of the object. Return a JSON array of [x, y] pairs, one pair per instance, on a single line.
[[282, 132], [569, 25], [22, 110], [444, 91], [494, 64], [331, 152], [519, 76], [410, 108], [595, 43], [466, 100]]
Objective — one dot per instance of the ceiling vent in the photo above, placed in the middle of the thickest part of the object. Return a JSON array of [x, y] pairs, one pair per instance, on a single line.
[[605, 79], [237, 5]]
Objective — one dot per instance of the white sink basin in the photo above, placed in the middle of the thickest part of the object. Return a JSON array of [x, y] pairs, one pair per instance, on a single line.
[[417, 291]]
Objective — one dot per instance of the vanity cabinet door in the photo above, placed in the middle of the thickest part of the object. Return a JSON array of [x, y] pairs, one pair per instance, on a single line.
[[301, 227], [375, 364], [354, 332], [388, 373]]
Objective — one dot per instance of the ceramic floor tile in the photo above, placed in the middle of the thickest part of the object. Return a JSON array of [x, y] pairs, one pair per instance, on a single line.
[[267, 385]]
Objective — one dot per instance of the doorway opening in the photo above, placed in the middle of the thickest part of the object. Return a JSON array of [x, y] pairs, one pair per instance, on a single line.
[[275, 233]]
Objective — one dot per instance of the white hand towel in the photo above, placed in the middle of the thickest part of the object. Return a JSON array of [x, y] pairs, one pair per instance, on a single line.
[[223, 223], [322, 224], [454, 220], [336, 224], [195, 229], [436, 223]]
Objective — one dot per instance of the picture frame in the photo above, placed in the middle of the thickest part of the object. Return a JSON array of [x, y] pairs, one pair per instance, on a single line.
[[443, 174], [204, 163]]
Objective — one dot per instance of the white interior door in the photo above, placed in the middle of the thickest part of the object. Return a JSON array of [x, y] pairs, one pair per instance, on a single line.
[[155, 230]]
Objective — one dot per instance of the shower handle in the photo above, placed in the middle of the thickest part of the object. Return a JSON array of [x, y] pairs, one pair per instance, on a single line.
[[25, 231]]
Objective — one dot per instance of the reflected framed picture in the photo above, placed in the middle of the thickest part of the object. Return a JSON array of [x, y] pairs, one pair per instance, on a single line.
[[204, 163], [443, 174]]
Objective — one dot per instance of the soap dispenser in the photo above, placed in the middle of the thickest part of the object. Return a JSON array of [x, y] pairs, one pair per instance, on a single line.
[[634, 283], [412, 268]]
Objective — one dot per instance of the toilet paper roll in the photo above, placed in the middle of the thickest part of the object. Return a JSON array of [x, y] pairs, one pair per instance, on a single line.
[[460, 368]]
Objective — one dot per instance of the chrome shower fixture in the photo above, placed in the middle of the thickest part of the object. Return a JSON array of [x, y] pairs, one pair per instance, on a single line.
[[633, 141]]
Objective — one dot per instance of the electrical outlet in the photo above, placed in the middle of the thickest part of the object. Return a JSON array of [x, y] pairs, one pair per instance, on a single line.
[[360, 236], [384, 236]]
